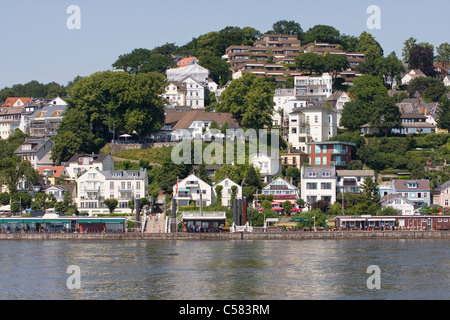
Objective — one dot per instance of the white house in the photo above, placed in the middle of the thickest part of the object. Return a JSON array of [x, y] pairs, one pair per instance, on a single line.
[[313, 88], [176, 93], [195, 71], [59, 190], [57, 102], [403, 205], [311, 124], [195, 123], [193, 189], [195, 93], [337, 101], [412, 74], [227, 184], [94, 186], [80, 163], [318, 183], [37, 151], [282, 191], [352, 180], [268, 163]]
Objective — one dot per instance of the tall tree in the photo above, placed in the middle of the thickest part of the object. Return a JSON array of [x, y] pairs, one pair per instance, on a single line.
[[127, 102], [322, 33], [310, 62], [287, 27], [443, 56], [390, 68], [250, 99], [444, 115], [408, 45], [422, 57]]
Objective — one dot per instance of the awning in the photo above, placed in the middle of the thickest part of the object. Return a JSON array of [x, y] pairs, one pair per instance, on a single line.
[[184, 189], [112, 220], [56, 221], [12, 220], [299, 219], [89, 221]]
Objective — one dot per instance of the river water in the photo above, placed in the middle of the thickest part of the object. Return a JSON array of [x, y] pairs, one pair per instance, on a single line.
[[225, 270]]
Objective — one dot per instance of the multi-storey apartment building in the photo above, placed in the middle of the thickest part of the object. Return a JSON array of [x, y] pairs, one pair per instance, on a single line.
[[266, 57], [313, 88], [330, 153], [45, 122], [94, 186], [311, 124], [80, 163], [318, 183]]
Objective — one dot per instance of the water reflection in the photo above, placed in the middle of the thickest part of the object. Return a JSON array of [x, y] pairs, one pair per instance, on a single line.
[[196, 270]]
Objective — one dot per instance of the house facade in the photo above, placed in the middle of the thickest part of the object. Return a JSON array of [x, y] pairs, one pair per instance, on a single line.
[[313, 88], [293, 159], [94, 186], [415, 123], [12, 118], [193, 189], [282, 191], [441, 195], [195, 71], [403, 205], [80, 163], [311, 124], [267, 162], [227, 184], [176, 93], [330, 153], [352, 180], [37, 151], [192, 124], [16, 101], [412, 74], [318, 183], [195, 93], [45, 122], [417, 191]]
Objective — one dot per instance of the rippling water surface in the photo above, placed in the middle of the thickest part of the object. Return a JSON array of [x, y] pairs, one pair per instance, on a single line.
[[248, 270]]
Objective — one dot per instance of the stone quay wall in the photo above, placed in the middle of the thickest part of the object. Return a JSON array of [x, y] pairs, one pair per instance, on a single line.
[[299, 235]]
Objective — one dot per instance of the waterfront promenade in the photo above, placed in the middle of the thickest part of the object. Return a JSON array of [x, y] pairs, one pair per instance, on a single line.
[[284, 235]]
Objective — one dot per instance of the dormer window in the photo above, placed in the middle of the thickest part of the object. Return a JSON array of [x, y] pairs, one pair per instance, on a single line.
[[412, 185]]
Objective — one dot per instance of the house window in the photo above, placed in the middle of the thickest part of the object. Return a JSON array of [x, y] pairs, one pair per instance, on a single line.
[[111, 185], [325, 186], [317, 161], [311, 174], [446, 202], [311, 186]]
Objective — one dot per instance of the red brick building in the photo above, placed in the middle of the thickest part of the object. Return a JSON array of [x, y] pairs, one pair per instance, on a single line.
[[325, 154]]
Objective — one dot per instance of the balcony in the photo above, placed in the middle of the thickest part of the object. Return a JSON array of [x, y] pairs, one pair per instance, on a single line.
[[191, 184]]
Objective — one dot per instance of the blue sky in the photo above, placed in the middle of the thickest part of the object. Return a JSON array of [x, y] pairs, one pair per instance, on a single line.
[[37, 45]]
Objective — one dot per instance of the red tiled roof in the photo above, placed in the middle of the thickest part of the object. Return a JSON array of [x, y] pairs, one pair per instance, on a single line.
[[185, 62], [57, 170], [10, 101]]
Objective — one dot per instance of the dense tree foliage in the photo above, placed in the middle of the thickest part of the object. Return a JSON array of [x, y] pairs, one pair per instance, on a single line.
[[370, 104], [250, 99]]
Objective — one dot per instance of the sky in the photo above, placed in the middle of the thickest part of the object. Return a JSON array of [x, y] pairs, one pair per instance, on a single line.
[[38, 45]]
